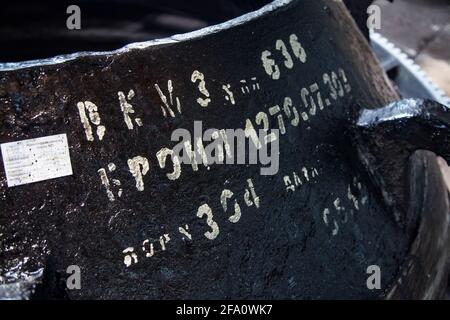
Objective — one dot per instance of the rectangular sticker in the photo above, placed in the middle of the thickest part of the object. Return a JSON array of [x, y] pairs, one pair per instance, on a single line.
[[39, 159]]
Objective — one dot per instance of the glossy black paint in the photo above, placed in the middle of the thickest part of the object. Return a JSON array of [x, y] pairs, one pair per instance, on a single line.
[[281, 250]]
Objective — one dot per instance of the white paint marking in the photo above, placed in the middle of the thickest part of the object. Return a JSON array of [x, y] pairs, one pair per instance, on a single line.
[[135, 164]]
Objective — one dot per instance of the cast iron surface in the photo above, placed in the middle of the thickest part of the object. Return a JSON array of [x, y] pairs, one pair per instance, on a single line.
[[391, 143], [286, 248]]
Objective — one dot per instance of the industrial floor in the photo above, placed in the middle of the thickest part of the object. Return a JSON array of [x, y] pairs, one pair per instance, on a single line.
[[421, 28]]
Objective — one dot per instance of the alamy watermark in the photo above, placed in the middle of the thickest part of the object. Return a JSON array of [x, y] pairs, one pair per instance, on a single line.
[[374, 280], [374, 19], [74, 279], [73, 22], [226, 146]]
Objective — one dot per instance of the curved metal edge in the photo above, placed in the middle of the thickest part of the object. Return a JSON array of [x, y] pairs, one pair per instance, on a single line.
[[276, 4], [402, 109], [424, 273]]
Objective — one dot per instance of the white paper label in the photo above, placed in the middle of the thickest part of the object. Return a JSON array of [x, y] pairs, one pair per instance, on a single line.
[[37, 159]]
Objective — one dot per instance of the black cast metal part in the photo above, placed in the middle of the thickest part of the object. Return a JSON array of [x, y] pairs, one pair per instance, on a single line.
[[347, 195]]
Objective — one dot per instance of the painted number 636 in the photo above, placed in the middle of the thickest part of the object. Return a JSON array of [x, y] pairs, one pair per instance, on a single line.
[[270, 65]]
